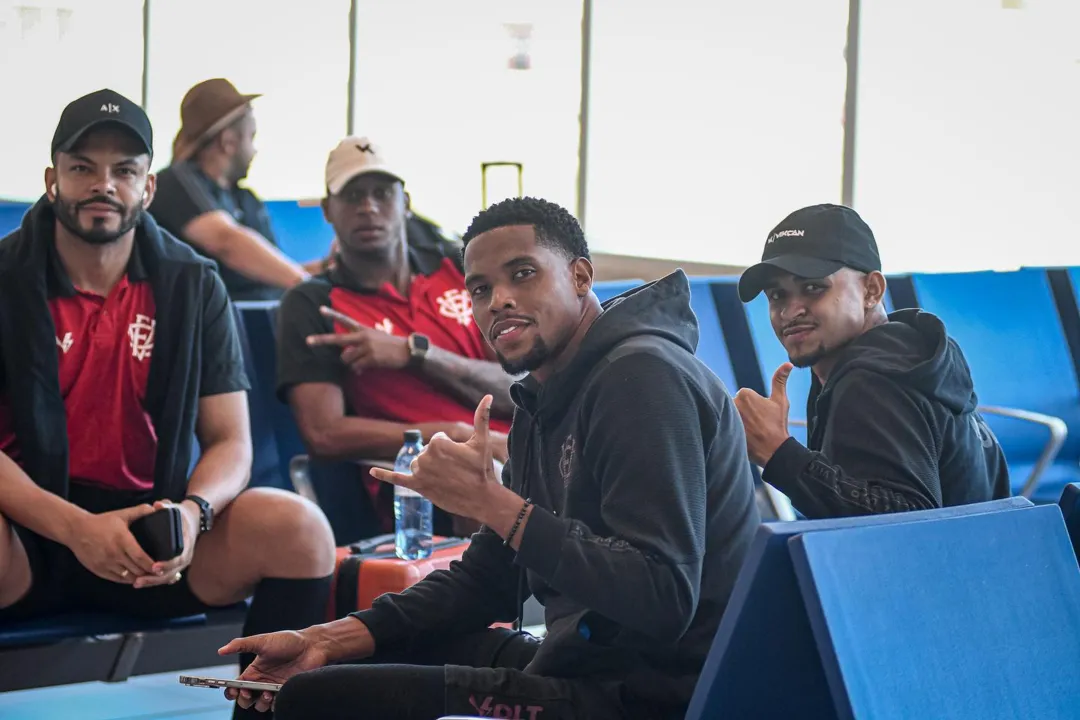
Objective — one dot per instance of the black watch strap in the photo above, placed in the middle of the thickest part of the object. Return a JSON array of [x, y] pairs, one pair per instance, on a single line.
[[206, 513]]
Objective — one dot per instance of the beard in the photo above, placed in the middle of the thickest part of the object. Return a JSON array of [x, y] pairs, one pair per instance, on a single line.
[[537, 355], [808, 359], [238, 169], [68, 215]]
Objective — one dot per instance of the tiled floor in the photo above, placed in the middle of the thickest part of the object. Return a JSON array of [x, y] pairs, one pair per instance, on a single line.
[[151, 697]]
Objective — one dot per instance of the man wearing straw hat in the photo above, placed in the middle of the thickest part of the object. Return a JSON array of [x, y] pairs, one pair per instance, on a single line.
[[200, 201]]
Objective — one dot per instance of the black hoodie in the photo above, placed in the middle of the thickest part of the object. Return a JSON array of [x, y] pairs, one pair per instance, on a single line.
[[894, 428], [636, 460]]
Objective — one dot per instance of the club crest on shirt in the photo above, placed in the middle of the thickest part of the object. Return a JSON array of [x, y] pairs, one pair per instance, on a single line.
[[456, 305], [141, 336]]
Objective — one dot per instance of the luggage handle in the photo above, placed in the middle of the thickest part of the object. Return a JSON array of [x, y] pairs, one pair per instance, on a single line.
[[371, 545], [483, 178]]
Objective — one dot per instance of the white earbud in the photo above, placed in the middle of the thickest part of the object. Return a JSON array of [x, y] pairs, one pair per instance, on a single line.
[[54, 191]]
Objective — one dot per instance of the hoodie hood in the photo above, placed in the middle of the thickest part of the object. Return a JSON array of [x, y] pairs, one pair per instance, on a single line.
[[660, 308], [914, 351]]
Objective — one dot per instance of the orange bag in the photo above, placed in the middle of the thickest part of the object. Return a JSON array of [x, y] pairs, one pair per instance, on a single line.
[[367, 569]]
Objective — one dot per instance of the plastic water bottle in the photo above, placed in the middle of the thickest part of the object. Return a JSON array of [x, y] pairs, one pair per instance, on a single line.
[[413, 513]]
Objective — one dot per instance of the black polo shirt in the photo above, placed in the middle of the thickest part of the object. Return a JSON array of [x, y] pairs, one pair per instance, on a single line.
[[184, 193]]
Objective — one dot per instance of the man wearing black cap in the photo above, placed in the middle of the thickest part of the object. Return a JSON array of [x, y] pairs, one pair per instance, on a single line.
[[201, 202], [117, 350], [892, 420]]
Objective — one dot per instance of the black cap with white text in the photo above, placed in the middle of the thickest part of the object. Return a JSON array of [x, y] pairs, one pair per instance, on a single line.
[[813, 242], [102, 106]]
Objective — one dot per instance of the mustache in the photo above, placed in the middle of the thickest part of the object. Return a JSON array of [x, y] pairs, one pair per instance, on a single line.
[[100, 200]]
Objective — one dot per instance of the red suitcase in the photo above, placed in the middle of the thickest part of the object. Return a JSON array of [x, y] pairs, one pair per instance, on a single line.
[[369, 568]]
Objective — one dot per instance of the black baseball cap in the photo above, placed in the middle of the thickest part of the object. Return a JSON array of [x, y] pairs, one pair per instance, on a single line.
[[103, 106], [813, 242]]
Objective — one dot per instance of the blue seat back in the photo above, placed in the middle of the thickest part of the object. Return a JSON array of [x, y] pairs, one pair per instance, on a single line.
[[1008, 327], [301, 231], [712, 347], [11, 215], [276, 433], [969, 617], [764, 661], [266, 467]]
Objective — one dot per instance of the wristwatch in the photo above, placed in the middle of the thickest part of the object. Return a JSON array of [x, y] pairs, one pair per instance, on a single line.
[[206, 513], [418, 347]]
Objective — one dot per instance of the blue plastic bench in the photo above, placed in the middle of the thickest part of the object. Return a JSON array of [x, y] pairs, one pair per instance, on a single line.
[[946, 618], [1008, 326], [87, 647], [765, 642]]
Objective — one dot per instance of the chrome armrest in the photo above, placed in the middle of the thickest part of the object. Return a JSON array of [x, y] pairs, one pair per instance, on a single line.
[[301, 477], [1055, 426]]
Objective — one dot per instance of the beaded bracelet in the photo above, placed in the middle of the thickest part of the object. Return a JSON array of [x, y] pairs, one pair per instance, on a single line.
[[517, 523]]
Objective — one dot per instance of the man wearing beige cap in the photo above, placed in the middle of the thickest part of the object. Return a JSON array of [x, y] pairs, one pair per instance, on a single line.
[[199, 199], [384, 341]]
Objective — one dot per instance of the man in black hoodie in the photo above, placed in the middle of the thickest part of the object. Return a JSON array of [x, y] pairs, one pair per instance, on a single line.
[[626, 508], [891, 415]]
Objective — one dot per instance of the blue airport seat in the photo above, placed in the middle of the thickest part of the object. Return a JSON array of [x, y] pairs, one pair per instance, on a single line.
[[301, 230], [278, 435], [268, 468], [712, 346], [764, 661], [11, 216], [88, 647], [946, 618], [1008, 326]]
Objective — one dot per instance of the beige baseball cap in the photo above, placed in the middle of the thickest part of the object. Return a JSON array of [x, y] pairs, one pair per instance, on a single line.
[[352, 157]]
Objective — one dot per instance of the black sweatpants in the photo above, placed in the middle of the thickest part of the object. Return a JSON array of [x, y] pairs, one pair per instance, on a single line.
[[478, 675]]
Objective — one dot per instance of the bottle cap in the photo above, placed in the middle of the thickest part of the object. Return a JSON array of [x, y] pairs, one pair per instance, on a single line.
[[413, 436]]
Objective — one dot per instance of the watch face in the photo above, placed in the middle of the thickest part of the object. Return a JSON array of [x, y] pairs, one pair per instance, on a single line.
[[420, 343]]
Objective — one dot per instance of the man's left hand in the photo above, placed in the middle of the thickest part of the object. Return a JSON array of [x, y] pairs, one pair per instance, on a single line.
[[364, 348], [458, 477], [765, 419], [168, 572]]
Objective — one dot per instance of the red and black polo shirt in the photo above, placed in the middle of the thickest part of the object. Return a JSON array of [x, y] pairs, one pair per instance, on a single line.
[[437, 305], [104, 346]]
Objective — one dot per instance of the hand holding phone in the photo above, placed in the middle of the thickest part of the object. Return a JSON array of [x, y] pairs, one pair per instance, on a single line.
[[160, 534]]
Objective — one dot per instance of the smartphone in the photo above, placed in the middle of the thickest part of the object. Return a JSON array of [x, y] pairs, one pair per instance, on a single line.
[[160, 534], [206, 682]]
